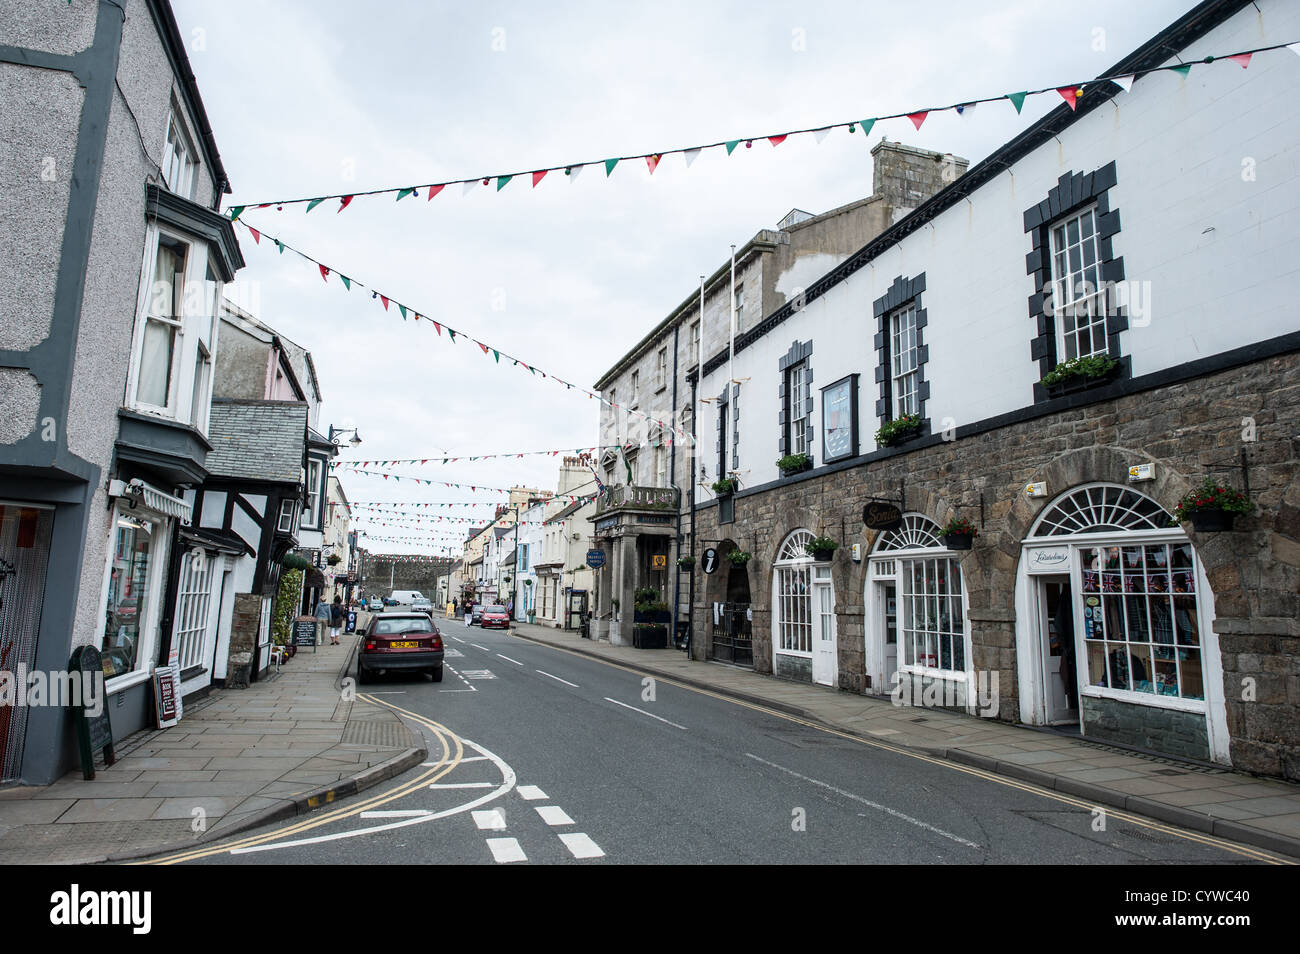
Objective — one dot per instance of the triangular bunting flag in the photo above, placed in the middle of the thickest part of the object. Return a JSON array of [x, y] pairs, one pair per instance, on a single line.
[[866, 125], [501, 182], [732, 145], [343, 202], [652, 161], [821, 134], [496, 354], [385, 301], [573, 172], [452, 335], [1294, 48], [402, 194], [257, 236], [538, 176], [236, 212], [918, 118], [609, 166], [483, 346], [1184, 69], [438, 328], [402, 309], [347, 282], [690, 155], [279, 245], [776, 140], [324, 272], [1071, 95], [434, 190], [1124, 82], [468, 187], [1241, 59], [313, 203], [1017, 100]]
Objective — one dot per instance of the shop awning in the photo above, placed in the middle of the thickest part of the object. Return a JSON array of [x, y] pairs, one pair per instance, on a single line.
[[153, 498]]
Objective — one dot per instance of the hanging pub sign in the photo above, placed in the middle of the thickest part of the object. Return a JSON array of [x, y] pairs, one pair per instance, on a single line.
[[595, 559], [94, 732], [881, 515]]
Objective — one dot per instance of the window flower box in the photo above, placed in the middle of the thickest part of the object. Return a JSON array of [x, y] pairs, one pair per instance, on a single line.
[[1080, 374], [900, 430], [1212, 507], [725, 487], [792, 464], [822, 549]]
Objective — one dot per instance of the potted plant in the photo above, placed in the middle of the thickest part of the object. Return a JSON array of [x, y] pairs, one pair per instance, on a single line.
[[898, 430], [686, 562], [739, 557], [822, 549], [1079, 373], [959, 534], [792, 464], [650, 620], [334, 559], [725, 487], [1212, 507]]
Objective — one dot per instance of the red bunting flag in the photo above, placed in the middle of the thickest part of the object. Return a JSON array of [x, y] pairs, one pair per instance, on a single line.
[[776, 140], [257, 236], [538, 176], [652, 162], [324, 273], [918, 118], [437, 327], [1243, 59], [435, 189], [483, 346], [1071, 95], [343, 203], [385, 301]]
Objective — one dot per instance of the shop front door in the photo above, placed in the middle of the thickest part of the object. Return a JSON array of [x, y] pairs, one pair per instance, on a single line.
[[889, 629], [824, 661], [25, 534], [1056, 633]]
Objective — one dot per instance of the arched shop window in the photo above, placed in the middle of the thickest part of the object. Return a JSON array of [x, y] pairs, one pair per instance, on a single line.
[[1137, 600], [931, 615], [793, 584]]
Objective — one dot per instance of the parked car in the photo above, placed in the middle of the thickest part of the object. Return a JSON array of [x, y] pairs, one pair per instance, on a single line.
[[495, 617], [389, 601], [422, 604], [374, 604], [400, 642], [476, 615]]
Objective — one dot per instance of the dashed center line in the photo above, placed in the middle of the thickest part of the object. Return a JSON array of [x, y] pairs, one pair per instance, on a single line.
[[506, 850], [508, 659], [644, 713], [484, 648], [558, 679], [554, 815]]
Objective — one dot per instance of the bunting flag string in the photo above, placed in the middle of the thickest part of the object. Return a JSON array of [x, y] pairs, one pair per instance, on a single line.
[[1069, 91], [497, 353], [379, 504], [445, 459], [475, 488]]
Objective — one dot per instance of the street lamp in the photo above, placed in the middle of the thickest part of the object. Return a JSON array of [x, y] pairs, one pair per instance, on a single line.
[[340, 431]]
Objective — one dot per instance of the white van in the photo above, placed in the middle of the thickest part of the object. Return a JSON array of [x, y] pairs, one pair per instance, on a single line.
[[406, 597]]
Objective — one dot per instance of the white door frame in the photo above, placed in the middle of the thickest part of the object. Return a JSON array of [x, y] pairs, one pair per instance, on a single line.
[[820, 653]]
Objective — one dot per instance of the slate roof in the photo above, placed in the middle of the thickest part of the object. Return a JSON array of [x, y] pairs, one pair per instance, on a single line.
[[257, 440], [568, 510]]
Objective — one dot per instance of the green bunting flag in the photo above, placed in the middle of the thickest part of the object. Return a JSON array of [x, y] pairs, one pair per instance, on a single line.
[[1183, 70], [402, 309], [236, 212], [452, 335], [347, 282], [496, 354], [866, 125], [403, 194], [732, 145], [1017, 100], [279, 245], [313, 203], [501, 182], [609, 166]]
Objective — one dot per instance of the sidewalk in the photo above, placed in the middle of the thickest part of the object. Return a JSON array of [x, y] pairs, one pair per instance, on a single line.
[[1230, 805], [245, 757]]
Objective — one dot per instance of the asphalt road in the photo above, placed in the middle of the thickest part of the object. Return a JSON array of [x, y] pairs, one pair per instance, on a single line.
[[538, 755]]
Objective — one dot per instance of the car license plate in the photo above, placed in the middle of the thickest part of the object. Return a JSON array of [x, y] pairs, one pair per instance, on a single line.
[[404, 644]]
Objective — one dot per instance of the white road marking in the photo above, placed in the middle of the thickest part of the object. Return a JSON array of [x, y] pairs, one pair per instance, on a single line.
[[484, 648], [870, 804], [479, 674], [554, 815], [558, 679], [643, 712], [531, 792], [506, 850], [396, 814], [451, 652], [461, 785], [458, 639], [581, 846], [490, 819], [508, 659], [389, 692]]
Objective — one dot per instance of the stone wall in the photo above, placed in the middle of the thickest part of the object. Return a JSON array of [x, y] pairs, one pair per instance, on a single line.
[[1187, 429]]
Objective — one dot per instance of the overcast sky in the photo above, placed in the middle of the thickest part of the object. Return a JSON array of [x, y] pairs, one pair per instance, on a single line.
[[313, 98]]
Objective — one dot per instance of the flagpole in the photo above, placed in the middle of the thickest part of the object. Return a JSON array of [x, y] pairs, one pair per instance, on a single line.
[[731, 356]]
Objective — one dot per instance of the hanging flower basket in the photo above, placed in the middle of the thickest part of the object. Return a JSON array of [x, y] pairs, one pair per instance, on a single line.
[[686, 562], [822, 549], [725, 487], [959, 534], [1212, 508], [739, 557]]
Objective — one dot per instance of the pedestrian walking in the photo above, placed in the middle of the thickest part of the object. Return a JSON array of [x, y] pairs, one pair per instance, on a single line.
[[323, 616], [469, 611], [336, 620]]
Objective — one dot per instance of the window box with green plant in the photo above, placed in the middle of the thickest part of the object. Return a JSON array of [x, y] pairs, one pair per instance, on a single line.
[[822, 549], [1078, 374], [725, 487], [898, 430], [1212, 507], [739, 557], [792, 464], [959, 534]]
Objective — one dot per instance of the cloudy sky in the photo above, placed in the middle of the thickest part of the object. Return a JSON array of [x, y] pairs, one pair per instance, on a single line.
[[315, 98]]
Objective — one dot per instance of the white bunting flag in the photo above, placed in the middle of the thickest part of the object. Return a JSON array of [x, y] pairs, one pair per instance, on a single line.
[[821, 134], [1124, 82], [574, 172], [691, 155], [1294, 48], [468, 187]]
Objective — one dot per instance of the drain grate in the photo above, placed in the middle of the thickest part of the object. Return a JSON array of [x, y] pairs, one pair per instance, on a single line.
[[389, 734], [1142, 835]]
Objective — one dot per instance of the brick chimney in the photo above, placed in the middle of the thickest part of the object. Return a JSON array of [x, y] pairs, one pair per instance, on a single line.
[[905, 176]]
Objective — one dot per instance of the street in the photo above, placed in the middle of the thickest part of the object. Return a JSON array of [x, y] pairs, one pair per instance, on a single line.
[[539, 755]]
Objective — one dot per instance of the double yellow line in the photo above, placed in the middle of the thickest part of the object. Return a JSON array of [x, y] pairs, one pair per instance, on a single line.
[[452, 753], [1255, 854]]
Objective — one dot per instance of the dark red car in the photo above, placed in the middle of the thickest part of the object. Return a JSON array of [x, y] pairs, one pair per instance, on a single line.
[[495, 617], [398, 642]]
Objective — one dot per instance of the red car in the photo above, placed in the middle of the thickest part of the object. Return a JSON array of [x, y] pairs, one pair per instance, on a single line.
[[495, 617], [400, 641]]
